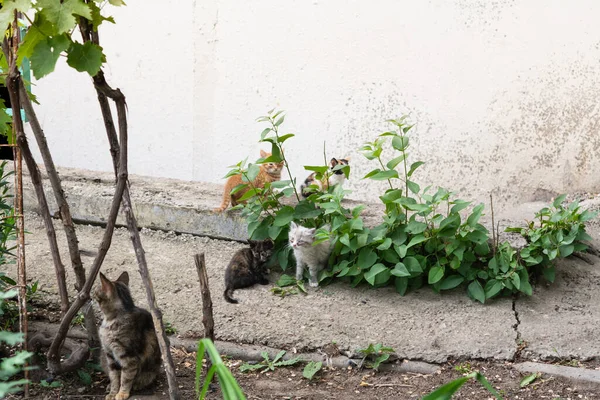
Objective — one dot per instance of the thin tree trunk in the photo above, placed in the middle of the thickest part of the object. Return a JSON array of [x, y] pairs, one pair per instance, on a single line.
[[12, 83], [104, 91], [54, 363], [207, 309], [65, 214]]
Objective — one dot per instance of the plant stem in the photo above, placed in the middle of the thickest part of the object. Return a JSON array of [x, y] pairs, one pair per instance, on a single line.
[[276, 132]]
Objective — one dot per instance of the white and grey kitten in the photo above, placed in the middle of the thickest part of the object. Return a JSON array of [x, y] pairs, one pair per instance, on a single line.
[[315, 257]]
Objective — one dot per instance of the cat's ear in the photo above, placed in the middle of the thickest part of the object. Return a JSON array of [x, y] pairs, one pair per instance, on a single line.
[[107, 285], [124, 278], [311, 232], [293, 225], [263, 154], [251, 242], [268, 243], [333, 162], [347, 158]]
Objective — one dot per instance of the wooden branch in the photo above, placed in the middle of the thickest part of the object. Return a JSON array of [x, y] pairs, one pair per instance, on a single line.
[[117, 148], [207, 309], [65, 213], [54, 364], [18, 209], [12, 83], [104, 91]]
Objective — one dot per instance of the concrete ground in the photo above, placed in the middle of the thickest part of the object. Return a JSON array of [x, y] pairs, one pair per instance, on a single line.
[[559, 320]]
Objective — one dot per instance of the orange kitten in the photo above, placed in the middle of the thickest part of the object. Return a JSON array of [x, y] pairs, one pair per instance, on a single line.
[[269, 172]]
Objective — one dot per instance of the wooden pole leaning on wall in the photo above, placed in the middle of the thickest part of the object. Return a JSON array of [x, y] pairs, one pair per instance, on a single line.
[[207, 309]]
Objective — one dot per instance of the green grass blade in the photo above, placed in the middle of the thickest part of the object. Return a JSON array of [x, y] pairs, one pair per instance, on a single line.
[[445, 392]]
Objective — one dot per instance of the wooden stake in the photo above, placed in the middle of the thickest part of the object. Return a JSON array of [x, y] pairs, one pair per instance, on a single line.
[[207, 309]]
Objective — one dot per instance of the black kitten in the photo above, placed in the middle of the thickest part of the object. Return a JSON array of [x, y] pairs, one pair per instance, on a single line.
[[247, 267]]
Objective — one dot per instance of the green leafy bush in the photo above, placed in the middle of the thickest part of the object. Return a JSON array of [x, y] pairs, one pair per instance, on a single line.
[[427, 236], [11, 366]]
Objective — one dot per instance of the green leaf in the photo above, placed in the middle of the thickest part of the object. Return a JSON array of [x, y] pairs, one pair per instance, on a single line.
[[366, 258], [285, 137], [566, 251], [391, 195], [401, 284], [400, 270], [394, 162], [400, 143], [97, 17], [7, 13], [383, 175], [377, 275], [476, 291], [61, 13], [492, 288], [416, 240], [516, 280], [311, 369], [85, 377], [385, 245], [413, 265], [316, 168], [11, 338], [415, 227], [559, 200], [475, 215], [46, 53], [32, 38], [414, 187], [117, 3], [413, 167], [86, 58], [284, 216], [280, 120], [435, 274], [549, 273], [529, 379], [451, 282], [459, 205], [446, 391]]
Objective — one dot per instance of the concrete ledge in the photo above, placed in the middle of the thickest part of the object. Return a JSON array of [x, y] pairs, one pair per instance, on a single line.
[[580, 375], [159, 203]]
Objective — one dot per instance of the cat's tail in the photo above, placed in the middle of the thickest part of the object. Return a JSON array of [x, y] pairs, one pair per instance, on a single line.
[[225, 202], [227, 294]]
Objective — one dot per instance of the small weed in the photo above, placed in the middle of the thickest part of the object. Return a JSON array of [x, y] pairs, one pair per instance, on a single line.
[[464, 368], [446, 391], [288, 285], [78, 320], [375, 355], [50, 385], [311, 369], [270, 365], [170, 329], [529, 379]]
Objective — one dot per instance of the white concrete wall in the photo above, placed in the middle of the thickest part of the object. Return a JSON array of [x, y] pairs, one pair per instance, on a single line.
[[504, 93]]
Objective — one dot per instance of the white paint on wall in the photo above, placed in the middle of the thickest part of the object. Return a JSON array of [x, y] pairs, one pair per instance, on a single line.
[[503, 93]]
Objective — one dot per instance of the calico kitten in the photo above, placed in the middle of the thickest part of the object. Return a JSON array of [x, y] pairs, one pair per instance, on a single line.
[[131, 355], [247, 267], [269, 172], [315, 257], [335, 178]]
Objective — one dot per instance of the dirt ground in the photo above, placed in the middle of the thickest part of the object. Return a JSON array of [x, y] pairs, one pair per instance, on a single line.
[[288, 383]]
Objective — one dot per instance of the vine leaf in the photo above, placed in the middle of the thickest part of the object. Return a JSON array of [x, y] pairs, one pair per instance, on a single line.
[[46, 53], [86, 57], [117, 2], [7, 14], [61, 13]]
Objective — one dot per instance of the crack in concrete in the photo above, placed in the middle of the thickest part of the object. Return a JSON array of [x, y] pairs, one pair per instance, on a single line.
[[518, 341]]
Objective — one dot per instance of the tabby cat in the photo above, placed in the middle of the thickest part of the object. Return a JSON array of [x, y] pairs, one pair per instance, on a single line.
[[315, 257], [335, 178], [247, 267], [268, 172], [131, 355]]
